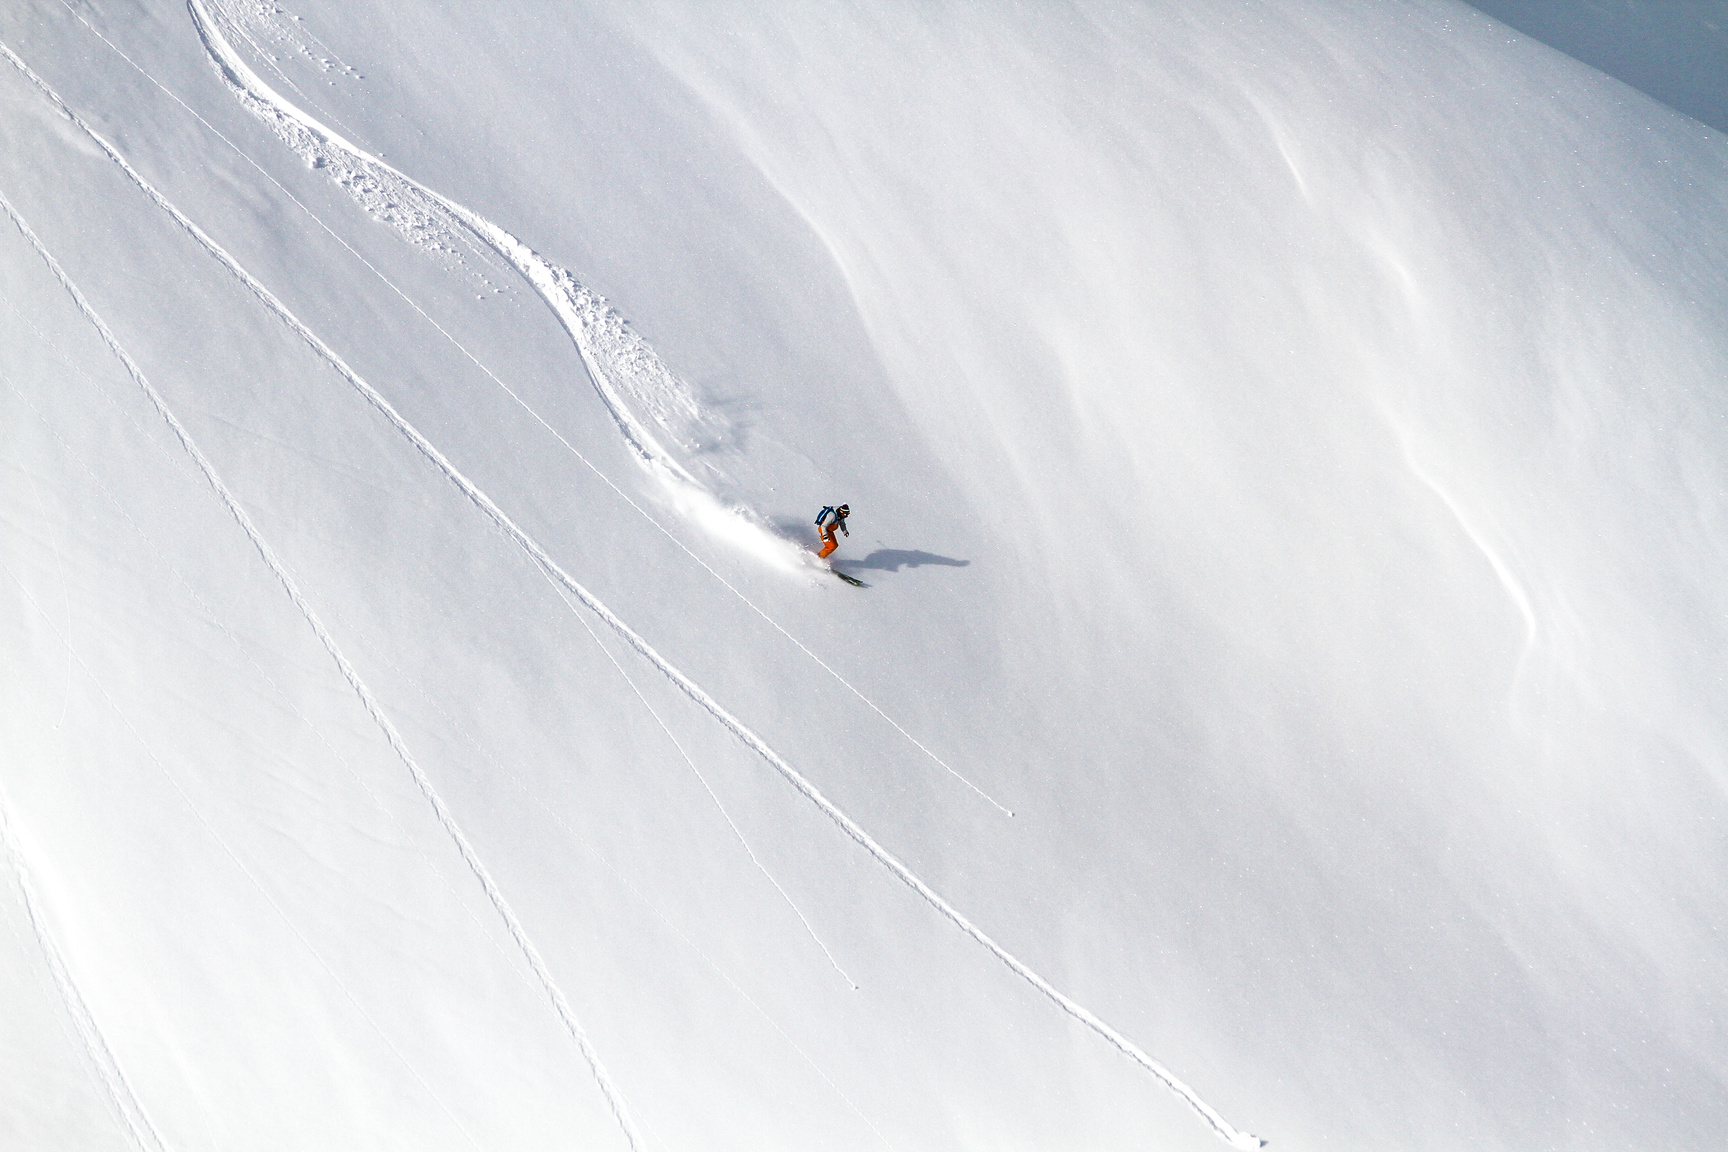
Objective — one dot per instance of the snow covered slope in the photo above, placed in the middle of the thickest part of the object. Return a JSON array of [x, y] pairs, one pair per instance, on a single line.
[[1287, 446]]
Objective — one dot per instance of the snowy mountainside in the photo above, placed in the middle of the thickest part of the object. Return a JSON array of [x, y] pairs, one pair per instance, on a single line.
[[1286, 450]]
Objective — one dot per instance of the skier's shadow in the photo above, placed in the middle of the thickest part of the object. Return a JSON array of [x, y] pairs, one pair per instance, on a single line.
[[893, 559]]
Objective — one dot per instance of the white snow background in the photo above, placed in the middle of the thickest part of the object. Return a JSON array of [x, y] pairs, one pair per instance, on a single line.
[[1288, 447]]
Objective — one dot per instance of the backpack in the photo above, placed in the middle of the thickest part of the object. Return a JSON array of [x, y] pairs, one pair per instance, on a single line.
[[824, 514]]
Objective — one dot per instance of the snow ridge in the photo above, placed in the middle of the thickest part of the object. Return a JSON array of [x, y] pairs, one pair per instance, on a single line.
[[560, 1003]]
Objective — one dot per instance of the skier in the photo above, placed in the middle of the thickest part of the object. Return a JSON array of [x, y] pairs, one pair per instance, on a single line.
[[827, 520]]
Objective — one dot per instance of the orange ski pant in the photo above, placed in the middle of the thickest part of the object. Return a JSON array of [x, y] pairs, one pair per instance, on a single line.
[[829, 542]]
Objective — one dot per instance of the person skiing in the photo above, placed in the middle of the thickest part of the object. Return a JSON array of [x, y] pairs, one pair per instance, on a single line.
[[827, 520]]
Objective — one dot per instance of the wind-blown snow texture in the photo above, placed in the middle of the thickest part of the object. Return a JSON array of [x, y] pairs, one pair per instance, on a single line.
[[1288, 450]]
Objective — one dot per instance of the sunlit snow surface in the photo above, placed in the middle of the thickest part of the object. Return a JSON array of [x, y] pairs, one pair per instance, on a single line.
[[1288, 447]]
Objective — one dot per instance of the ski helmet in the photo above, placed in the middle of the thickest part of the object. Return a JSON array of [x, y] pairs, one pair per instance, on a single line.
[[843, 510]]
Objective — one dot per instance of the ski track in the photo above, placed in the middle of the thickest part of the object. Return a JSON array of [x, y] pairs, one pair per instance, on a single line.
[[258, 542], [240, 647], [470, 857], [235, 860], [66, 642], [703, 780], [114, 1080], [534, 798], [1223, 1128]]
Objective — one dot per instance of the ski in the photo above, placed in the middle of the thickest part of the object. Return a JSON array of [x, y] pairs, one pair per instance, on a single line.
[[852, 580]]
